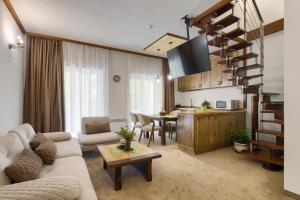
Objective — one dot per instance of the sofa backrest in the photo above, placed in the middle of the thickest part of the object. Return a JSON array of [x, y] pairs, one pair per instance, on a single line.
[[10, 148], [25, 132]]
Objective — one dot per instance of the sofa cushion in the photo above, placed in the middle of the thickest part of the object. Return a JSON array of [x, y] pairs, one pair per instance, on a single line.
[[68, 148], [72, 166], [47, 151], [58, 136], [90, 125], [25, 132], [36, 141], [10, 149], [51, 188], [95, 139], [27, 167]]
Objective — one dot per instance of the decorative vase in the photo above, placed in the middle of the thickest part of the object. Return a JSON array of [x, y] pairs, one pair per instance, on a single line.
[[127, 145], [239, 147]]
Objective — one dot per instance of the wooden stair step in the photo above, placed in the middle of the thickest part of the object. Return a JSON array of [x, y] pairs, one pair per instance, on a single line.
[[245, 56], [273, 105], [274, 121], [209, 30], [270, 145], [272, 111], [270, 93], [252, 77], [217, 42], [238, 58], [226, 21], [250, 67], [251, 90], [264, 157], [223, 10], [234, 33], [230, 49], [240, 69], [274, 102], [215, 11], [240, 45], [271, 132], [247, 78]]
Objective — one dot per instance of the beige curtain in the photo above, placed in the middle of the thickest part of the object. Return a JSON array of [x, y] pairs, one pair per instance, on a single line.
[[168, 88], [44, 85]]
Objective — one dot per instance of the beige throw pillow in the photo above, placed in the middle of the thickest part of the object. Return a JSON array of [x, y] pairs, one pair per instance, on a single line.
[[97, 128], [26, 168], [36, 141], [47, 151], [58, 136]]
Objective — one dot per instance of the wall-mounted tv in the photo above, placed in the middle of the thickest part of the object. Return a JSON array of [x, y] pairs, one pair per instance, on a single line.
[[190, 57]]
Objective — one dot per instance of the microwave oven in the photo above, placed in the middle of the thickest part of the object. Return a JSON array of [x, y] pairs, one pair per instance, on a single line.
[[228, 104]]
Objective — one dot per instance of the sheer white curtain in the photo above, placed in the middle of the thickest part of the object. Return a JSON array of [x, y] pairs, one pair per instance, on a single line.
[[145, 84], [86, 84]]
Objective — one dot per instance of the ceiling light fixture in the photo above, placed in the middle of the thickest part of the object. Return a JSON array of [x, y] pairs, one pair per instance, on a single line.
[[150, 26]]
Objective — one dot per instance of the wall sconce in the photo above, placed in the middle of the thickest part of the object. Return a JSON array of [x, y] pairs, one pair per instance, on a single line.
[[17, 45]]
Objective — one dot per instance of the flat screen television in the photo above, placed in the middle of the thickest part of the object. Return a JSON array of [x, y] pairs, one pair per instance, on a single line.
[[190, 57]]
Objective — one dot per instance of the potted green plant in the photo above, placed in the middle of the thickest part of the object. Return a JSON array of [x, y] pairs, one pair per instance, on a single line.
[[241, 139], [204, 105], [127, 135]]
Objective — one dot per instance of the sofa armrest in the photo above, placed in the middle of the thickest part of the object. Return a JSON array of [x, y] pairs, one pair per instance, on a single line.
[[51, 188], [58, 136]]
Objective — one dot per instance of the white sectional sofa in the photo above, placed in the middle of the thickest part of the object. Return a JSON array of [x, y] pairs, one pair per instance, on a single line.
[[68, 163]]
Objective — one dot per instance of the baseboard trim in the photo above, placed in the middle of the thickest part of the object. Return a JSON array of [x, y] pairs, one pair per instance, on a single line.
[[291, 194]]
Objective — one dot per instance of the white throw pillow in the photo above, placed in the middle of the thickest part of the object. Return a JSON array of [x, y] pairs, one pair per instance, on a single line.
[[50, 188], [58, 136]]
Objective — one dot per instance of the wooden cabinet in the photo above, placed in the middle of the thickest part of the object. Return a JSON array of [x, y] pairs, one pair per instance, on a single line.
[[203, 132], [210, 79]]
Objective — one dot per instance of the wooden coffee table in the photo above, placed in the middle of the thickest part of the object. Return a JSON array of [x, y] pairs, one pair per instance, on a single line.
[[114, 159]]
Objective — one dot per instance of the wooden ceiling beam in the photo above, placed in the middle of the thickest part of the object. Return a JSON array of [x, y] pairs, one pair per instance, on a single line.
[[90, 44], [14, 15], [270, 28]]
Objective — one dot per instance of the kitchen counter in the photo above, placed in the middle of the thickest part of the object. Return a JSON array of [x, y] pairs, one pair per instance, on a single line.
[[200, 132]]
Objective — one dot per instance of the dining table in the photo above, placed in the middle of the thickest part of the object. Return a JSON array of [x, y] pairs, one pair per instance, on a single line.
[[162, 119]]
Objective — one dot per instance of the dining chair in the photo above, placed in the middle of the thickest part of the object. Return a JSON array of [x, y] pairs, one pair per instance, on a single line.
[[136, 123], [173, 124], [149, 126]]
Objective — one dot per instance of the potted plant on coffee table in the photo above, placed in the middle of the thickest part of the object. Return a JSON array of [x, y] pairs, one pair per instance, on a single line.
[[127, 135], [241, 139]]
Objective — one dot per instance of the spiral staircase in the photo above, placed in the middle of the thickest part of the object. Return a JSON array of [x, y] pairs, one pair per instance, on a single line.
[[235, 29]]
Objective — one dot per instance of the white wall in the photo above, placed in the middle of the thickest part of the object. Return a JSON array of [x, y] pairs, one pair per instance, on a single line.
[[118, 65], [292, 97], [11, 73]]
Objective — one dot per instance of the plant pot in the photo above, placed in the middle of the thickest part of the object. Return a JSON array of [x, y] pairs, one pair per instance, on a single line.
[[239, 147], [127, 145], [203, 108]]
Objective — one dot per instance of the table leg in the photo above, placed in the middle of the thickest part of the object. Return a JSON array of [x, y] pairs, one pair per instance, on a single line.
[[163, 133], [118, 178], [104, 164], [149, 170]]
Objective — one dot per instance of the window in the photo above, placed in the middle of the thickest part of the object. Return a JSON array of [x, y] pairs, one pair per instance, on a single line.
[[85, 85]]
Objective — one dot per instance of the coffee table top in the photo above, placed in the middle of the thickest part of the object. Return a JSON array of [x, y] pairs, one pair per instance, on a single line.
[[115, 157]]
